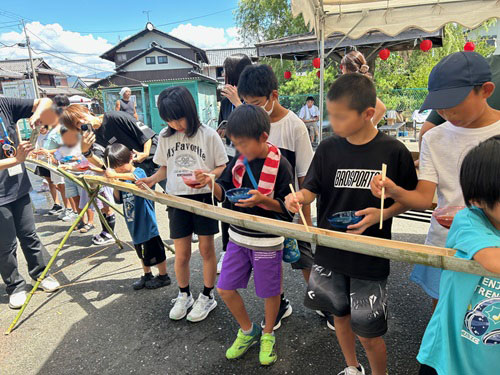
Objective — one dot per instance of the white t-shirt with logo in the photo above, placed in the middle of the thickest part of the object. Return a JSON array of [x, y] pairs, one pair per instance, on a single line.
[[180, 153], [291, 136], [441, 155]]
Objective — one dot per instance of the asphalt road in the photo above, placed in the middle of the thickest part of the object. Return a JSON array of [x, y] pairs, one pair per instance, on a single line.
[[97, 324]]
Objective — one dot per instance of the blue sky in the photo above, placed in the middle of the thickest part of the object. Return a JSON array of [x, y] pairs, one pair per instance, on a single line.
[[64, 26]]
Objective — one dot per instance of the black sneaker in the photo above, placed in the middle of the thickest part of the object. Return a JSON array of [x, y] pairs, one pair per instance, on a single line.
[[284, 312], [55, 210], [158, 282], [141, 283]]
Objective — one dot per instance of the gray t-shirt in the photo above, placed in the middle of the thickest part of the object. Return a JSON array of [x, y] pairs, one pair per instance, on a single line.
[[13, 186]]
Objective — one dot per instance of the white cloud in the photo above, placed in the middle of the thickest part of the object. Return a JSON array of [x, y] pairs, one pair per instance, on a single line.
[[206, 36], [59, 39]]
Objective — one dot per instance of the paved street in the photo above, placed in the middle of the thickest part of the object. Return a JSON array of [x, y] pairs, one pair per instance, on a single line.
[[96, 324]]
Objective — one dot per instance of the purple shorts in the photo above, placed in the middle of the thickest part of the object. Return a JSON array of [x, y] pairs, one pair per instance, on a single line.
[[237, 267]]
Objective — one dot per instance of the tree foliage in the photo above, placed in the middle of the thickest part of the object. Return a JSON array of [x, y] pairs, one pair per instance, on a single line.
[[260, 20]]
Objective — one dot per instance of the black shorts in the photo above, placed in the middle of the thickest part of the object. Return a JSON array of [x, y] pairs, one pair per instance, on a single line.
[[42, 172], [152, 252], [364, 300], [183, 223], [306, 260]]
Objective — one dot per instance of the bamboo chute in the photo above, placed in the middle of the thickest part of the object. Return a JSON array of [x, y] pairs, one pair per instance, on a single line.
[[389, 249]]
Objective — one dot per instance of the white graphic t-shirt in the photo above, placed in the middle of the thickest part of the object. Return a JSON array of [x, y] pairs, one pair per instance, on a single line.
[[180, 154]]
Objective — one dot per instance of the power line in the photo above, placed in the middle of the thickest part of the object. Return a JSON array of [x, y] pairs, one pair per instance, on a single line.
[[163, 24]]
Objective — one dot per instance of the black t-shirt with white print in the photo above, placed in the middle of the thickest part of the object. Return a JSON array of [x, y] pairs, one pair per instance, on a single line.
[[340, 175], [247, 237]]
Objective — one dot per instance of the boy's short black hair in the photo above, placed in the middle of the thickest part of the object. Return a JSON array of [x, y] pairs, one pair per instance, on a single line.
[[480, 173], [117, 155], [248, 121], [310, 98], [357, 89], [257, 80], [175, 103]]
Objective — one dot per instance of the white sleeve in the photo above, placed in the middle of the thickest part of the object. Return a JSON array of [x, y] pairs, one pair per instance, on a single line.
[[220, 156], [302, 113], [316, 109], [160, 157], [303, 150], [427, 167]]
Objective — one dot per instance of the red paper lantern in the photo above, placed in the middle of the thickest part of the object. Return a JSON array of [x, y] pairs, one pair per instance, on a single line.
[[384, 54], [287, 75], [469, 46], [318, 73], [317, 62], [426, 45]]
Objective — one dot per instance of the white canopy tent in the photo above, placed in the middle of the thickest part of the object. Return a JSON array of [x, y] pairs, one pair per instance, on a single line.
[[354, 18]]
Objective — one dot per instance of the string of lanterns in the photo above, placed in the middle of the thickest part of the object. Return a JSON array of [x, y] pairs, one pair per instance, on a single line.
[[384, 54]]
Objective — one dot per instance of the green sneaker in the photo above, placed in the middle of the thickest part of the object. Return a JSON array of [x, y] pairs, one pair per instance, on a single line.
[[267, 355], [243, 343]]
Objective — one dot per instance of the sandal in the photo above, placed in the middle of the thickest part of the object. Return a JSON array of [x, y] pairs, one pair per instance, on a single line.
[[87, 228]]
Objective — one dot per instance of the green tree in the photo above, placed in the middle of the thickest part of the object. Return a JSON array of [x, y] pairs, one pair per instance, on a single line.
[[260, 20]]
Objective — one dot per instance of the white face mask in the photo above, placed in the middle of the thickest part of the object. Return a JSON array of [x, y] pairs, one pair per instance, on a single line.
[[264, 108]]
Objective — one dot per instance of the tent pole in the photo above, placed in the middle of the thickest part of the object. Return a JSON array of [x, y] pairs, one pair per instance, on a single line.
[[322, 74]]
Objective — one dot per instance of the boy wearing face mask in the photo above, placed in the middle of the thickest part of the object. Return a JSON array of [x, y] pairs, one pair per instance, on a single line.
[[258, 85]]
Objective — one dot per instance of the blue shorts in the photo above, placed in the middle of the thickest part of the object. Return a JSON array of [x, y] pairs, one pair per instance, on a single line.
[[71, 189]]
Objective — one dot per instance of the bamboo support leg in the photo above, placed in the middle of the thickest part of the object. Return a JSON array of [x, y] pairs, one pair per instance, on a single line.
[[51, 261], [103, 219]]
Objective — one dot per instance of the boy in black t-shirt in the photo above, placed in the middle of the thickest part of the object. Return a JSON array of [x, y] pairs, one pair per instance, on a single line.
[[353, 286], [260, 167]]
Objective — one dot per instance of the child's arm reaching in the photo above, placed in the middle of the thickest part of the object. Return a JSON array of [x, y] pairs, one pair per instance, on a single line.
[[109, 173], [419, 199], [489, 258], [372, 217], [260, 199], [204, 177], [160, 175]]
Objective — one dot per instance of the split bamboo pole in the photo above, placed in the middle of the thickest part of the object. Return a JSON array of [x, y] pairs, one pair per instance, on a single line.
[[394, 250]]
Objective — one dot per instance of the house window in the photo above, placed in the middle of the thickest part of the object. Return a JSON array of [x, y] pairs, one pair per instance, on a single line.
[[150, 60], [121, 57], [162, 59]]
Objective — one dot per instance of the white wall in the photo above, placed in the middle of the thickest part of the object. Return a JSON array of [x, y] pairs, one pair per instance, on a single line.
[[140, 64], [144, 42]]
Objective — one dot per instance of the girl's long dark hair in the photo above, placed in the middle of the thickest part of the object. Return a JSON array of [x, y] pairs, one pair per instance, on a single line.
[[175, 103], [233, 66]]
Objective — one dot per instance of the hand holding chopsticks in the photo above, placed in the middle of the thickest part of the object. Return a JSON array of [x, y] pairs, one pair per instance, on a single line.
[[300, 209]]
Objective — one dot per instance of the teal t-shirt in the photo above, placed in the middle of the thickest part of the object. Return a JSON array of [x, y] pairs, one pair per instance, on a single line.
[[53, 139], [463, 335]]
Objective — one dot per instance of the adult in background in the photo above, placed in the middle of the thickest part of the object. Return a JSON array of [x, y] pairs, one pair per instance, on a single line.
[[102, 131], [233, 66], [355, 62], [309, 113], [124, 104], [16, 213]]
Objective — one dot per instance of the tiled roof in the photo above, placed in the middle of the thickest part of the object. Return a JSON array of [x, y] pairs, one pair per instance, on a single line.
[[23, 66], [216, 57]]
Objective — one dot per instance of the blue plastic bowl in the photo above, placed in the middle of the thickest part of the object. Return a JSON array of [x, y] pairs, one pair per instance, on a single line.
[[234, 195], [341, 220]]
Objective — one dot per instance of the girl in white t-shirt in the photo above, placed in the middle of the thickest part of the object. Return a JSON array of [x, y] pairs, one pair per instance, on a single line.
[[186, 146]]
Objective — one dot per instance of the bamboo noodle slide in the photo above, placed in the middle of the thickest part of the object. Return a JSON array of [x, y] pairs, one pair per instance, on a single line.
[[384, 172], [300, 209], [74, 179], [394, 250]]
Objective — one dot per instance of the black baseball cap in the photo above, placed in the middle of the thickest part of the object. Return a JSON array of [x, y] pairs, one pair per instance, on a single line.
[[453, 78]]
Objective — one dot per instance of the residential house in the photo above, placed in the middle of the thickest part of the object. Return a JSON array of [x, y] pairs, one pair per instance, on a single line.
[[217, 56], [150, 61], [51, 82]]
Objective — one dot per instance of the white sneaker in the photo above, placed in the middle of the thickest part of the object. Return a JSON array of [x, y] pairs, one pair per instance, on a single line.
[[201, 308], [351, 370], [182, 303], [221, 259], [70, 216], [49, 285], [16, 300], [194, 238], [65, 212]]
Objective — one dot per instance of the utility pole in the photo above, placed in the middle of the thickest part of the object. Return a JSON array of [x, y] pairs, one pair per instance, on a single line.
[[33, 72]]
